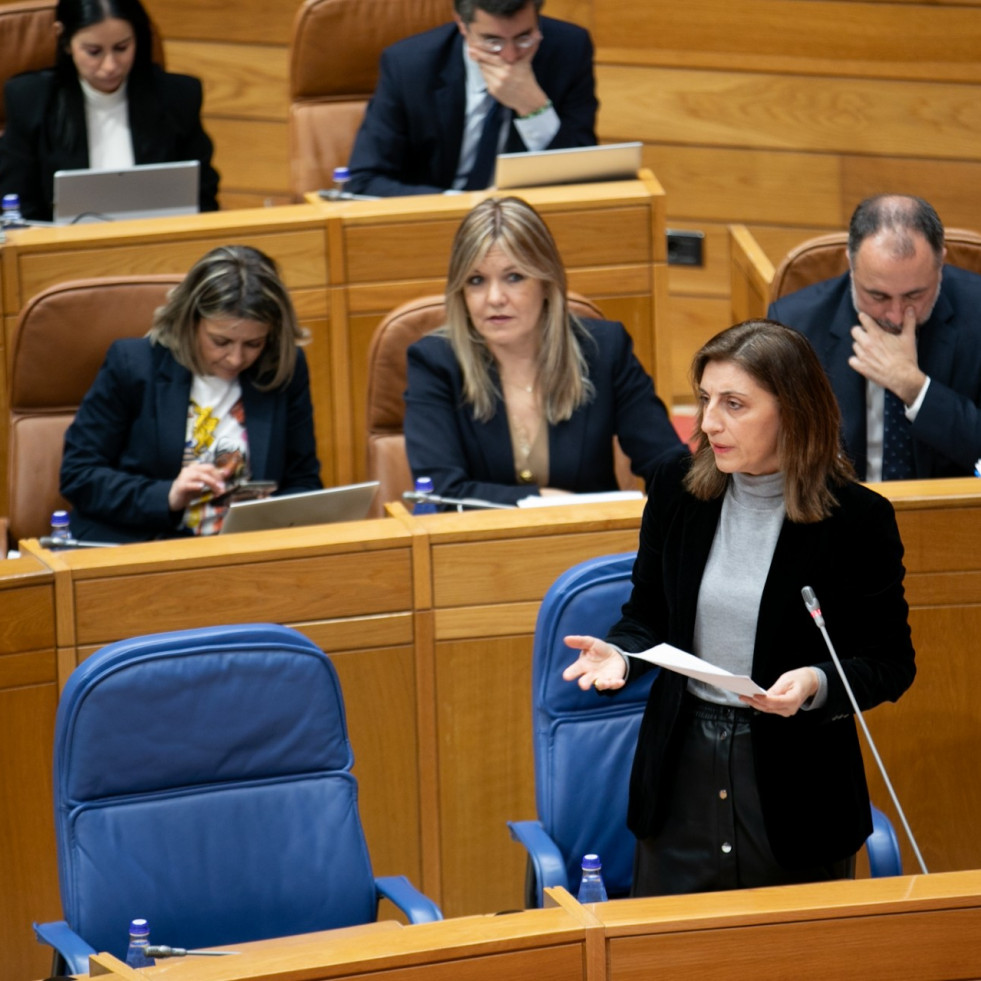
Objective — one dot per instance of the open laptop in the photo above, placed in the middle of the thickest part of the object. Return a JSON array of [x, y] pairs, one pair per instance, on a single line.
[[576, 165], [347, 503], [143, 191]]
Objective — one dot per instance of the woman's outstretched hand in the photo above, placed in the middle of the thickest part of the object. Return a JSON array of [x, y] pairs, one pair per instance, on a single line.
[[599, 665]]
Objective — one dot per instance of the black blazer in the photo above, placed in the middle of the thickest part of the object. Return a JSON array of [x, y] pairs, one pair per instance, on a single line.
[[410, 138], [164, 119], [126, 445], [809, 767], [947, 429], [467, 458]]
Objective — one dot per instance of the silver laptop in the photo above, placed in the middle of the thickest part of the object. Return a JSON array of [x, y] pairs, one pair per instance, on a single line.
[[143, 191], [347, 503], [577, 165]]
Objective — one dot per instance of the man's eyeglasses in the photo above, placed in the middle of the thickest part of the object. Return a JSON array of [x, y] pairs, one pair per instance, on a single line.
[[495, 45]]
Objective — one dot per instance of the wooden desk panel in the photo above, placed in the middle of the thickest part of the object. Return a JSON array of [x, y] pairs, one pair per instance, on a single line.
[[28, 701], [924, 927]]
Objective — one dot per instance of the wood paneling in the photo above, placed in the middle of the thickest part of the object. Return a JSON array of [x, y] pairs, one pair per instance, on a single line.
[[752, 109], [925, 41]]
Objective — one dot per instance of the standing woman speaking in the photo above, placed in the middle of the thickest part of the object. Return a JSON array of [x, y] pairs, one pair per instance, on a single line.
[[104, 105], [733, 791]]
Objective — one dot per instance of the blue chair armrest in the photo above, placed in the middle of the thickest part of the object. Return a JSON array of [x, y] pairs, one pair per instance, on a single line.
[[882, 847], [68, 943], [417, 907], [546, 859]]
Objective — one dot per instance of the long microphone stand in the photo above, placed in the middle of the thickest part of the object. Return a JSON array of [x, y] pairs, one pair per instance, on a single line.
[[458, 502], [814, 608]]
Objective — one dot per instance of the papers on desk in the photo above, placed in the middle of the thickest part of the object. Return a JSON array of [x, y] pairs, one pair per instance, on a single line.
[[537, 501], [674, 659]]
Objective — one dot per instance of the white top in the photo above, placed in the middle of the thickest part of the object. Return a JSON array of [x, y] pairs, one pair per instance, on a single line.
[[107, 123]]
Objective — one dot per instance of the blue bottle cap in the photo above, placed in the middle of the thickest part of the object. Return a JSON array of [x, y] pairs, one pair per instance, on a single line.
[[424, 485], [591, 863], [342, 174], [139, 926]]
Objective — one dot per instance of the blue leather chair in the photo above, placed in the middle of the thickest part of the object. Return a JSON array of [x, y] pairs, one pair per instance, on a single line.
[[581, 797], [202, 780]]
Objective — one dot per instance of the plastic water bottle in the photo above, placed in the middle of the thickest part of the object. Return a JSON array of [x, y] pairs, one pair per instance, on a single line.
[[424, 485], [59, 528], [341, 176], [139, 938], [11, 216], [591, 887]]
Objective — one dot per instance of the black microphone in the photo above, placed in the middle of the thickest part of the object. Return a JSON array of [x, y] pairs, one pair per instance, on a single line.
[[457, 502], [814, 608]]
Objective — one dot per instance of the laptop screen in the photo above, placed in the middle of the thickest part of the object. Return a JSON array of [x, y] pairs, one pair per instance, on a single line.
[[576, 165], [347, 503], [143, 191]]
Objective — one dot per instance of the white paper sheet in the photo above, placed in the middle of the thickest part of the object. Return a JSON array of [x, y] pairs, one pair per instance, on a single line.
[[694, 667], [553, 500]]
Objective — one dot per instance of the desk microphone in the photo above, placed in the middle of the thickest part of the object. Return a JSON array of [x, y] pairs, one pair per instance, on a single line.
[[814, 608], [66, 541], [163, 950], [458, 502]]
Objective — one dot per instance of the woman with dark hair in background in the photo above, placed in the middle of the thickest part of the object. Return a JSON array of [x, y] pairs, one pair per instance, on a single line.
[[734, 791], [515, 396], [104, 105], [216, 395]]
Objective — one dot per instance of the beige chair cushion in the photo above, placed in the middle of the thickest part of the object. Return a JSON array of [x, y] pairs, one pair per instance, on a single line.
[[826, 256], [334, 56], [59, 343]]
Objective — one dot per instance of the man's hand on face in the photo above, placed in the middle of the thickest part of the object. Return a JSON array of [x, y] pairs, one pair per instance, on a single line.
[[888, 358], [511, 80]]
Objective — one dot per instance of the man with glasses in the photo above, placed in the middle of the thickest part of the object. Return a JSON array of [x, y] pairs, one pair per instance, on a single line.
[[899, 336], [499, 79]]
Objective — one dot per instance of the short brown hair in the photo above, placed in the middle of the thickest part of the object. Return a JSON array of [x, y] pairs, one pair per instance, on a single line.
[[783, 362], [232, 281]]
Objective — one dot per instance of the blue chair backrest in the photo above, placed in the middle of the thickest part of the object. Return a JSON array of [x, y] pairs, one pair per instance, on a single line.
[[584, 742], [201, 780]]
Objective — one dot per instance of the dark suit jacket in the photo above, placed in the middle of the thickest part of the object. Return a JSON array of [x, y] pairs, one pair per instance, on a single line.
[[808, 767], [165, 121], [467, 458], [126, 445], [409, 141], [947, 430]]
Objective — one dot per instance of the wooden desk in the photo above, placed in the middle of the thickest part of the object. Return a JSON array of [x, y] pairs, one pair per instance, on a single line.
[[348, 264], [538, 945], [28, 701], [924, 927], [430, 622]]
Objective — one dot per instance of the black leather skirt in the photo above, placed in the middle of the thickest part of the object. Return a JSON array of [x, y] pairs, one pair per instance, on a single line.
[[714, 837]]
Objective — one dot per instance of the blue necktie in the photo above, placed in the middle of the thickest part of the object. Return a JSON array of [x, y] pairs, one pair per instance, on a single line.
[[483, 165], [897, 440]]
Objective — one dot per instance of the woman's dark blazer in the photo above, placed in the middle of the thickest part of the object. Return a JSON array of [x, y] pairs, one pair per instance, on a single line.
[[467, 458], [126, 445], [808, 767], [164, 119]]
